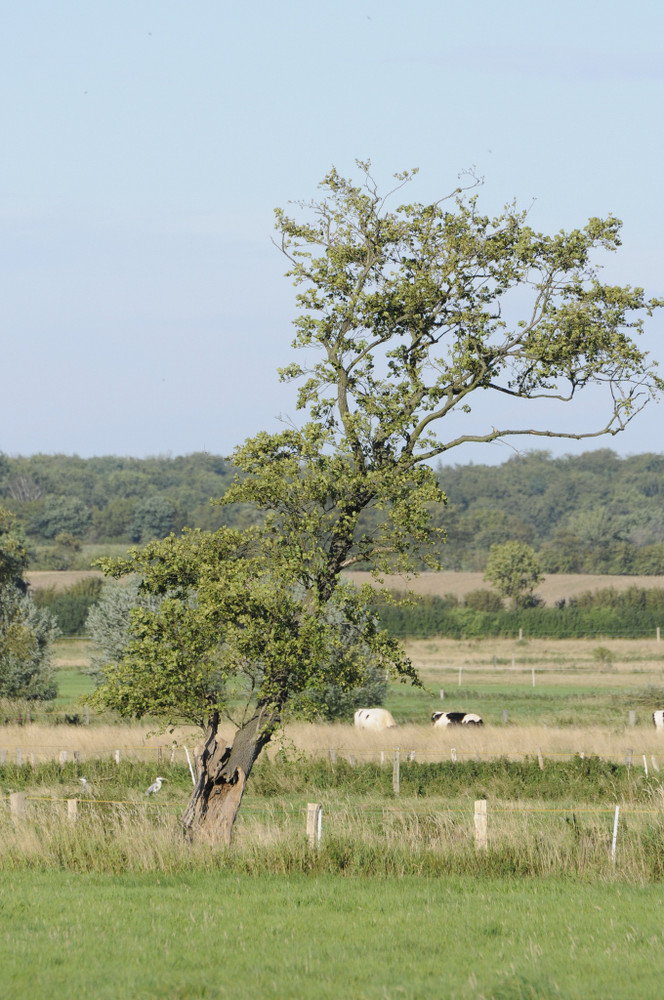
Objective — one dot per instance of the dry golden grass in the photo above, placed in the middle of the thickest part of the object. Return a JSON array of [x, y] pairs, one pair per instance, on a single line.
[[511, 741], [553, 588], [60, 579], [133, 741]]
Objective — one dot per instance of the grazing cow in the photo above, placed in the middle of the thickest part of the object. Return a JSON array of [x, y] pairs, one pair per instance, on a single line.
[[456, 719], [374, 718], [658, 719]]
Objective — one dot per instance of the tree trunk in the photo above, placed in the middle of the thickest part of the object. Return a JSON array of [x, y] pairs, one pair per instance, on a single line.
[[222, 774]]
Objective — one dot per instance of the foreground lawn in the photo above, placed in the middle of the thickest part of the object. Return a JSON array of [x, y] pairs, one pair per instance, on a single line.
[[139, 937]]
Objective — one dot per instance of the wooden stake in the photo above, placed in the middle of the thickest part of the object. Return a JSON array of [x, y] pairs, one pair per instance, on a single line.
[[540, 758], [396, 771], [481, 825], [314, 824], [72, 810], [17, 806]]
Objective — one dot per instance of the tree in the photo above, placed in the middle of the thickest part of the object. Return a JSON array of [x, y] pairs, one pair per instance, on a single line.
[[153, 517], [235, 634], [514, 570], [26, 632], [402, 317]]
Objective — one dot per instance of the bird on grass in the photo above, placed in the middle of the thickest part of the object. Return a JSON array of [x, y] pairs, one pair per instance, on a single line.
[[155, 786]]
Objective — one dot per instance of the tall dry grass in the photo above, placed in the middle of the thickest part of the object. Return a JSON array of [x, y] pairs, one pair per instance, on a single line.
[[427, 743], [512, 742], [374, 839]]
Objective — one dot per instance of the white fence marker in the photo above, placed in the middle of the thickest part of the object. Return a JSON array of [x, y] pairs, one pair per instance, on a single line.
[[645, 765], [191, 770], [453, 755], [615, 834], [396, 771]]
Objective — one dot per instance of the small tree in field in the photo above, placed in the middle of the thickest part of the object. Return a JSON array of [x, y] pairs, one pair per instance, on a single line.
[[514, 571], [27, 632], [402, 317]]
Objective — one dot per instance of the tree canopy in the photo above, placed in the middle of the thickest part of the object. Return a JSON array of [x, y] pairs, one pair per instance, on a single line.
[[26, 632], [401, 320]]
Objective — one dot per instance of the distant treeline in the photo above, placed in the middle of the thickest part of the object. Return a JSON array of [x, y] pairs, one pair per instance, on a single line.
[[592, 513], [630, 614]]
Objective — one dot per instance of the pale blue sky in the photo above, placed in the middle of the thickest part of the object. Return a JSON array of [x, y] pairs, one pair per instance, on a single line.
[[146, 142]]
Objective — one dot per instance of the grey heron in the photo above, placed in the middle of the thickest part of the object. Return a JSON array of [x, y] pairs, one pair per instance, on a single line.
[[155, 786]]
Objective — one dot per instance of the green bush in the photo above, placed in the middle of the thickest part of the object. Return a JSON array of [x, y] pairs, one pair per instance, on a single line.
[[70, 607]]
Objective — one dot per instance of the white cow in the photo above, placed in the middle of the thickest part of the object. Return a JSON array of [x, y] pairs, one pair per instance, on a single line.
[[658, 719], [374, 718], [456, 719]]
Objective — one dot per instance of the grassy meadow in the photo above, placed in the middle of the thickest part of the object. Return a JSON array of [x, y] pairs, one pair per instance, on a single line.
[[396, 901], [224, 935]]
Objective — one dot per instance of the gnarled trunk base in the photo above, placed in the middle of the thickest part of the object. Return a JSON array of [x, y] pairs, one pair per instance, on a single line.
[[222, 774]]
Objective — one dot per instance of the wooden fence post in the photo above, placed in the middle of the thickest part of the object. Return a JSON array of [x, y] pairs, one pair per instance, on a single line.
[[314, 824], [77, 756], [63, 757], [505, 716], [3, 758], [632, 717], [628, 757], [481, 825], [116, 755], [333, 756], [655, 765], [160, 754], [540, 758], [442, 694], [19, 757], [453, 755], [17, 806], [72, 810], [396, 771]]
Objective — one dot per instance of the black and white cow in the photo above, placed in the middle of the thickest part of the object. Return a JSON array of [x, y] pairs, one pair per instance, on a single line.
[[658, 719], [456, 719]]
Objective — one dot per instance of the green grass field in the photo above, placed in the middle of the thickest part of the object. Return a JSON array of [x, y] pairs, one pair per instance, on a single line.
[[397, 902], [228, 936]]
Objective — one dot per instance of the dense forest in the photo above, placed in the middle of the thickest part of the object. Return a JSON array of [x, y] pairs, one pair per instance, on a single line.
[[592, 513]]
